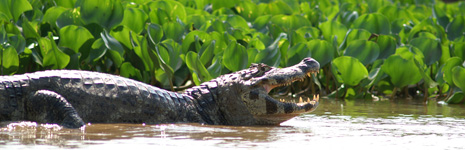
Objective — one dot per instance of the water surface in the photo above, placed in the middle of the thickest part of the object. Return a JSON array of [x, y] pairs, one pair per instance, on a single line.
[[336, 124]]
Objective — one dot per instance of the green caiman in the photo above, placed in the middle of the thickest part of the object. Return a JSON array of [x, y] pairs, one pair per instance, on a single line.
[[72, 98]]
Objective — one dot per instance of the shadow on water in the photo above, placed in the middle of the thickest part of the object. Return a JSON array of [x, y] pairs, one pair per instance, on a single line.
[[362, 124]]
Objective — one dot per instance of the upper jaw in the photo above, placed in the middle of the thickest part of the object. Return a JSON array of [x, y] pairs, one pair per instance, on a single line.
[[277, 77]]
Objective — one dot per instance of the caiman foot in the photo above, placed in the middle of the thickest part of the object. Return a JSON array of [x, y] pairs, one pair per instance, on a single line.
[[46, 106]]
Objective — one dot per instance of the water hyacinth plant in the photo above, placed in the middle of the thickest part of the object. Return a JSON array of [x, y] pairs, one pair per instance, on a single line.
[[366, 48]]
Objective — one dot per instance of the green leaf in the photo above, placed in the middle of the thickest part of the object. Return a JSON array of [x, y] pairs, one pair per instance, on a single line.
[[309, 32], [456, 98], [275, 8], [111, 43], [247, 9], [387, 46], [106, 13], [10, 60], [207, 52], [350, 70], [402, 71], [235, 57], [271, 55], [455, 28], [261, 22], [155, 33], [98, 50], [191, 37], [14, 8], [297, 53], [18, 42], [172, 8], [73, 37], [375, 23], [3, 34], [458, 48], [164, 57], [365, 51], [52, 14], [440, 16], [199, 72], [29, 29], [129, 71], [68, 17], [333, 30], [290, 22], [458, 74], [237, 22], [322, 51], [431, 49], [53, 57], [174, 30], [447, 68], [134, 19], [355, 34]]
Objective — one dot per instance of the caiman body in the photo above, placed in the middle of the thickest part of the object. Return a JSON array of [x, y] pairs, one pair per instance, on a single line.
[[72, 98]]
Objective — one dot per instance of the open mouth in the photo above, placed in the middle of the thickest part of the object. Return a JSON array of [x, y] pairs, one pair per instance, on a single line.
[[295, 106]]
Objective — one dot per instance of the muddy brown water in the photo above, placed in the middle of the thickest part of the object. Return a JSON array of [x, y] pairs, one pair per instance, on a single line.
[[336, 124]]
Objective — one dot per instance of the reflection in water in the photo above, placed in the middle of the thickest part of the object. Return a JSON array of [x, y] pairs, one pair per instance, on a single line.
[[335, 124]]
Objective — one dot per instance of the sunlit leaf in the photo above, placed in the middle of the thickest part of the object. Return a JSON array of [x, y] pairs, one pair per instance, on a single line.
[[237, 22], [172, 8], [387, 46], [247, 9], [459, 48], [365, 51], [30, 29], [54, 57], [271, 55], [296, 53], [14, 8], [74, 36], [134, 19], [174, 30], [322, 51], [333, 29], [10, 60], [275, 8], [350, 70], [199, 72], [52, 14], [375, 23], [431, 49], [67, 17], [261, 22], [235, 57], [190, 39], [447, 68], [290, 22], [155, 33], [402, 71], [309, 32], [106, 13], [129, 71], [458, 74], [111, 43]]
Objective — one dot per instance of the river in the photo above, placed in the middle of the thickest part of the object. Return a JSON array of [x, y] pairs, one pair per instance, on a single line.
[[336, 124]]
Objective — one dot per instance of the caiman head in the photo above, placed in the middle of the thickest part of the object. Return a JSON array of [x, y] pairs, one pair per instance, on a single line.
[[242, 97]]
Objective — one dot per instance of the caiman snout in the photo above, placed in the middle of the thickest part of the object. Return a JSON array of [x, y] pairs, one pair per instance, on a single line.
[[277, 77]]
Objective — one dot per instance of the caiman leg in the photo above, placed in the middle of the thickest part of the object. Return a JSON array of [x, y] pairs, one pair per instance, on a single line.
[[46, 106]]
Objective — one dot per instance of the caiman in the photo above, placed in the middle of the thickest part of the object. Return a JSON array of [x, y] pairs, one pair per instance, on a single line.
[[72, 98]]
